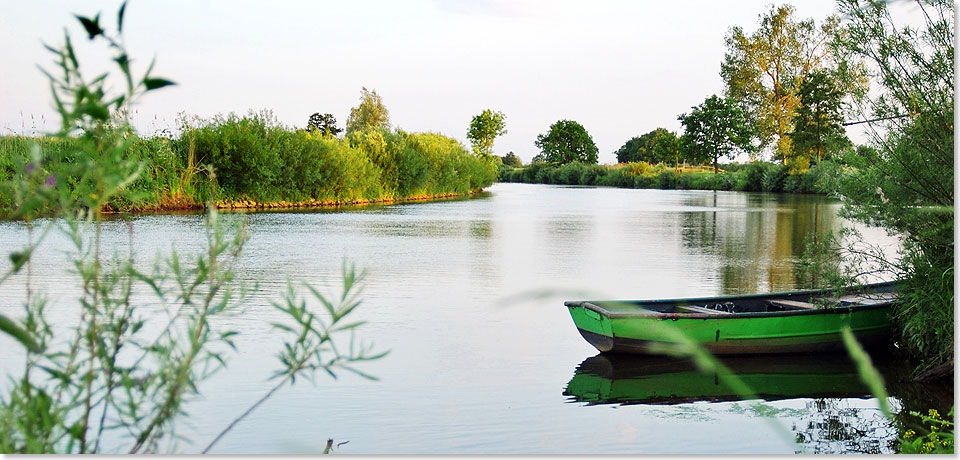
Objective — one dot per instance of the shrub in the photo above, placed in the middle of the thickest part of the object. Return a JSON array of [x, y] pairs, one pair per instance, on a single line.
[[668, 179]]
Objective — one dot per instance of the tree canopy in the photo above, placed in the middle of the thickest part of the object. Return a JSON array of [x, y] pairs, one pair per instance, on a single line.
[[762, 71], [511, 159], [484, 128], [565, 142], [371, 113], [716, 128], [657, 146], [818, 126], [325, 123]]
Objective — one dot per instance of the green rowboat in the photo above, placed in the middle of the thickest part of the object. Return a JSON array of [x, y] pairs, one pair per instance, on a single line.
[[787, 322]]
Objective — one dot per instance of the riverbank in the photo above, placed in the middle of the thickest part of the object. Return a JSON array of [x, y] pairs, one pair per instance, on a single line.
[[253, 162], [757, 176]]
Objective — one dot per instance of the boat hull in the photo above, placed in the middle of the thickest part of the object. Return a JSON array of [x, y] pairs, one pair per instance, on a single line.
[[757, 333]]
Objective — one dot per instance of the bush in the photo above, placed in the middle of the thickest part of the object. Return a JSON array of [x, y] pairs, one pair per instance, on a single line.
[[773, 177], [668, 179]]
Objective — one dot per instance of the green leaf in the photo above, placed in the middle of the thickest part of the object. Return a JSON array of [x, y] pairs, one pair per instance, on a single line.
[[91, 25], [156, 83], [19, 259], [70, 54], [11, 328], [123, 9]]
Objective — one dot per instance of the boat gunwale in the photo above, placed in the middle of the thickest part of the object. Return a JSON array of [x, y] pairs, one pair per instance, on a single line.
[[651, 314]]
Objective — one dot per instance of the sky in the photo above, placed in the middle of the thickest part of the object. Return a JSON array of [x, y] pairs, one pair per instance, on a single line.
[[620, 68]]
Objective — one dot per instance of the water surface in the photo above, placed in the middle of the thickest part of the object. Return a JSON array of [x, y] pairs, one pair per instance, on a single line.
[[467, 295]]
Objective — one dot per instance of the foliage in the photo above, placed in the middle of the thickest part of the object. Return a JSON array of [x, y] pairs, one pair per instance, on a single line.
[[716, 128], [754, 177], [511, 159], [906, 184], [326, 124], [937, 440], [657, 146], [484, 128], [369, 114], [566, 141], [121, 378], [763, 71], [818, 126]]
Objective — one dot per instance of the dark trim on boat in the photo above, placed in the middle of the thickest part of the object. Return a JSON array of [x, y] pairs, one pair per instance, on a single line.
[[640, 311]]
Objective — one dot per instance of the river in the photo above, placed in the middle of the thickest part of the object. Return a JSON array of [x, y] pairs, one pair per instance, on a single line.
[[467, 297]]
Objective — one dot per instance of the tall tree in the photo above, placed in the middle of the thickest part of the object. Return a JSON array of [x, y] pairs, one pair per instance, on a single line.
[[484, 128], [657, 146], [565, 142], [325, 123], [371, 113], [818, 126], [511, 159], [716, 128], [763, 70]]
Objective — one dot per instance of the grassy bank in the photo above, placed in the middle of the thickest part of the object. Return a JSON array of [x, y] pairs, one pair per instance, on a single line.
[[253, 162], [753, 177]]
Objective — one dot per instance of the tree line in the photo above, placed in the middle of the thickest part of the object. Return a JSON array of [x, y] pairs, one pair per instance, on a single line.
[[787, 89]]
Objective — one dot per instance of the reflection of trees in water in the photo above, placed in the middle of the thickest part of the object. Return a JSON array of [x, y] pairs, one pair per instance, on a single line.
[[834, 427], [760, 242]]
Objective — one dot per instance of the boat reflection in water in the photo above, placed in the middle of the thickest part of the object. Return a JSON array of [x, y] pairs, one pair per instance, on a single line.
[[834, 420], [635, 379]]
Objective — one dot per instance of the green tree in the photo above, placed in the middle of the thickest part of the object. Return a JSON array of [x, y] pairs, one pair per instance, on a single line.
[[484, 128], [325, 123], [818, 126], [566, 141], [716, 128], [511, 159], [762, 72], [371, 113], [657, 146], [908, 185]]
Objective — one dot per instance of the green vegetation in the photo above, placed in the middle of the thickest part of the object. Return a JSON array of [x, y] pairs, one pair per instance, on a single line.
[[256, 162], [763, 72], [566, 141], [818, 126], [938, 436], [716, 128], [484, 128], [119, 378], [905, 183], [758, 176], [369, 114], [325, 124], [657, 146], [255, 159], [512, 160]]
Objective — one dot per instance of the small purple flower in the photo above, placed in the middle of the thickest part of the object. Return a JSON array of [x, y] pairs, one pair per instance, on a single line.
[[51, 180], [30, 168]]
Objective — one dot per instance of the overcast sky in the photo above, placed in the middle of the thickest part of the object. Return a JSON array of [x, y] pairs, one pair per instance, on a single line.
[[620, 68]]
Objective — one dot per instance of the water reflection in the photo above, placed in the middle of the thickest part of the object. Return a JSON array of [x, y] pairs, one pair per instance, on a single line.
[[626, 379], [822, 398], [757, 238]]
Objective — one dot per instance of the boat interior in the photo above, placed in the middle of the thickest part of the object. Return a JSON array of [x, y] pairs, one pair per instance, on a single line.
[[757, 304]]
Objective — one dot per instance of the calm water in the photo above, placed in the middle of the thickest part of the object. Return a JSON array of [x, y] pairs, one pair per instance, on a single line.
[[467, 296]]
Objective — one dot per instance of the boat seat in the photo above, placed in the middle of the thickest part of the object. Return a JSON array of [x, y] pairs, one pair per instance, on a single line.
[[699, 309], [792, 304]]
